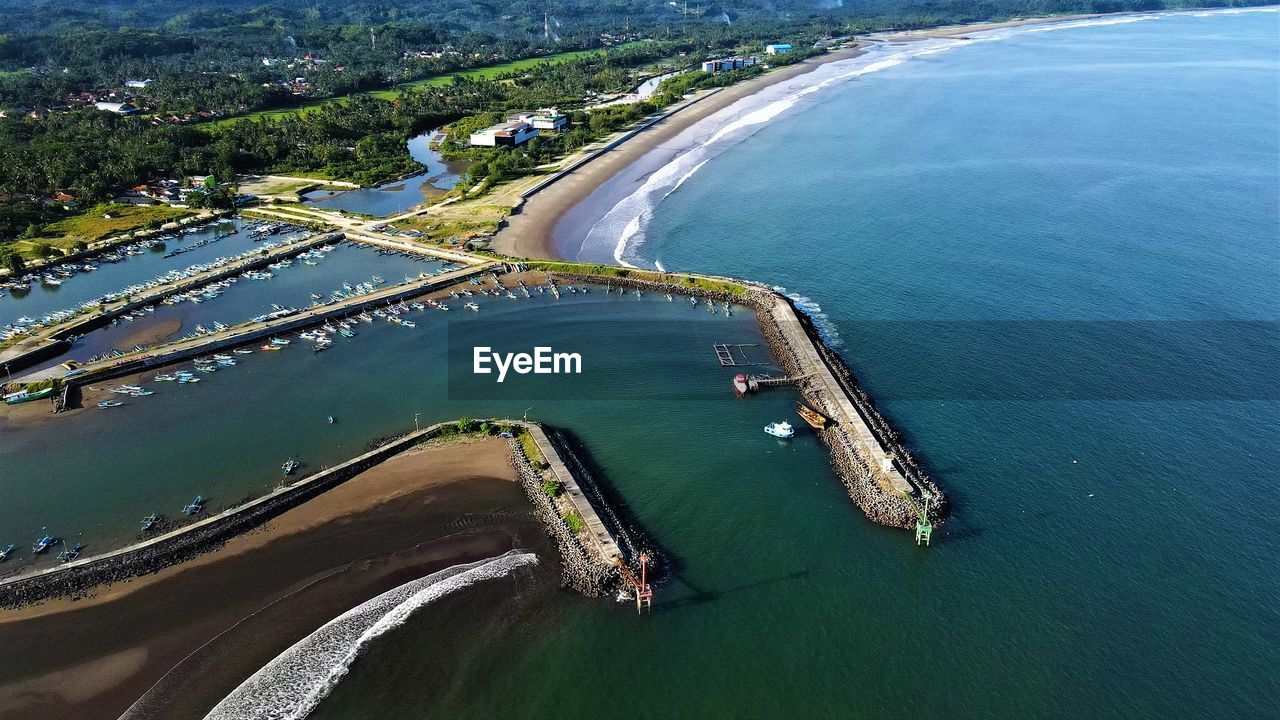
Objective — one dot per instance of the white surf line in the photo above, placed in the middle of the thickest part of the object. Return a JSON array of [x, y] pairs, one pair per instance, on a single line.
[[293, 684], [626, 221]]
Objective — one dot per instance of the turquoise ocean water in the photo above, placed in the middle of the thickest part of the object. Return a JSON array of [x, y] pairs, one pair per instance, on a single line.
[[1111, 556]]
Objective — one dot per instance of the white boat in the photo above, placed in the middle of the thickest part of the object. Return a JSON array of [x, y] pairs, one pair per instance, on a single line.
[[780, 429], [472, 306]]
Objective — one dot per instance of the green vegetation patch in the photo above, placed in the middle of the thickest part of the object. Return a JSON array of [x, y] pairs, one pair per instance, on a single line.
[[104, 220], [531, 451], [574, 521], [609, 271]]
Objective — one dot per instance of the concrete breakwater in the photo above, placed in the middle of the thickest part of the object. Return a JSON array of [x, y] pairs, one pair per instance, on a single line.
[[54, 340], [582, 570], [589, 573], [252, 331], [881, 476], [625, 530]]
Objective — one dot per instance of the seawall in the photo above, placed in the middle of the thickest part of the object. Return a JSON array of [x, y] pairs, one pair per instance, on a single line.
[[881, 476], [31, 350], [584, 569]]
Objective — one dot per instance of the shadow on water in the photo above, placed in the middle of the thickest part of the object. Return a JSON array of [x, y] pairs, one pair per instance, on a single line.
[[701, 596]]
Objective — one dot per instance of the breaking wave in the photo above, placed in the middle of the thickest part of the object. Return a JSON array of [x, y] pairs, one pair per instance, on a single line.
[[290, 686], [821, 321], [623, 227]]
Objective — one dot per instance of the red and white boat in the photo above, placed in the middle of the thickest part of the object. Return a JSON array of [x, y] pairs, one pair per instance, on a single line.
[[740, 385]]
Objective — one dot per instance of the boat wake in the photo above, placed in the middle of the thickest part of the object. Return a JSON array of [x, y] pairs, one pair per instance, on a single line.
[[293, 684]]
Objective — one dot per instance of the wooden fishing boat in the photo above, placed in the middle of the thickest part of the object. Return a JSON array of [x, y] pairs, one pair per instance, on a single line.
[[816, 420]]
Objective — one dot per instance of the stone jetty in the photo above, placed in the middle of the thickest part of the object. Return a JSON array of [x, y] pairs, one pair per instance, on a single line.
[[882, 477]]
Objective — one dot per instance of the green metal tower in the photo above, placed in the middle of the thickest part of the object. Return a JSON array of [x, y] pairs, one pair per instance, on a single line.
[[924, 528]]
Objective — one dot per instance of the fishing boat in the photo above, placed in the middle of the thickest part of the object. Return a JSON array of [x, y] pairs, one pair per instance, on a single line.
[[290, 466], [331, 420], [816, 420], [221, 356], [142, 393], [408, 323], [279, 341], [669, 298], [741, 385], [71, 553], [149, 522], [43, 544], [472, 306], [188, 379], [165, 378], [242, 351], [194, 506], [4, 554], [271, 348], [780, 430], [27, 396], [110, 403]]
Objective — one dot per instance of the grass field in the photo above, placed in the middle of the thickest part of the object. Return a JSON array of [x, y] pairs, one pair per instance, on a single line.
[[93, 225], [487, 72]]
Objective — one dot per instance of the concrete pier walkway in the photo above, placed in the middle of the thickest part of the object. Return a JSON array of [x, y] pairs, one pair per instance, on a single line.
[[601, 538], [34, 348], [249, 332]]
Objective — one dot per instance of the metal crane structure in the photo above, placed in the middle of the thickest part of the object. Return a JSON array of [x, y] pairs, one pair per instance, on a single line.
[[924, 528], [639, 586]]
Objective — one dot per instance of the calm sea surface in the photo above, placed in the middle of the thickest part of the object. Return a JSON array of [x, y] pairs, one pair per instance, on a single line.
[[1109, 557]]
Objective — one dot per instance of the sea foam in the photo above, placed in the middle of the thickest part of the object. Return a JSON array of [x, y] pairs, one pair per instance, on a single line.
[[623, 227], [290, 686]]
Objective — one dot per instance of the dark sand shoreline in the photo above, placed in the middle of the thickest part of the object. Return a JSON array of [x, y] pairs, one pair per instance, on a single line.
[[188, 635]]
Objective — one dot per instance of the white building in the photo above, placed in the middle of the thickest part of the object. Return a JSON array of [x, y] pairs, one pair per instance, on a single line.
[[117, 108], [507, 133], [542, 119], [137, 84], [777, 49]]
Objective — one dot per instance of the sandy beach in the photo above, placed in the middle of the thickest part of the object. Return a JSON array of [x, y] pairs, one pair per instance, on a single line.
[[530, 231], [183, 638]]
